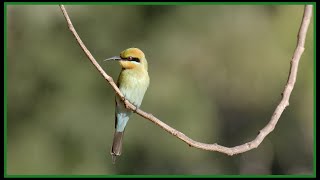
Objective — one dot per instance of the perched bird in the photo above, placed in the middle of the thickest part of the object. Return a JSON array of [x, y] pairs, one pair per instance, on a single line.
[[133, 82]]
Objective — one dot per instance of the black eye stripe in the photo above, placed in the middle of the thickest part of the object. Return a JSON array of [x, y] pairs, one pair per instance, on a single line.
[[130, 58], [134, 59]]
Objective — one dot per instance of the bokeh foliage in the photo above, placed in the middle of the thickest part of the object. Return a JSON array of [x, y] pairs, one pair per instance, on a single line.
[[217, 73]]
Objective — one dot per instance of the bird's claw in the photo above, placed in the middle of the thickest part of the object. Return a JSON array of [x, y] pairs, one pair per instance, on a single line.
[[126, 104], [135, 108]]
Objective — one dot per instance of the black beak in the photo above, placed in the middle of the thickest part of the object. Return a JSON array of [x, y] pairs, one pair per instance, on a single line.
[[116, 58]]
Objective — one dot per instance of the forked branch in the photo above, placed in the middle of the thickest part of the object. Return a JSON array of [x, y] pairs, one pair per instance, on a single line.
[[215, 147]]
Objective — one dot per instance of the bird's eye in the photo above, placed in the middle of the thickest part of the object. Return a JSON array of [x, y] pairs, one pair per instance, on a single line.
[[130, 58]]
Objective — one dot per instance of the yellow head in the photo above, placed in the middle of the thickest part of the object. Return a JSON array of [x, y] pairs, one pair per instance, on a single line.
[[131, 58]]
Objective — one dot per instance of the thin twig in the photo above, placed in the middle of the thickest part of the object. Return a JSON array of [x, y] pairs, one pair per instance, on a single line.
[[215, 147]]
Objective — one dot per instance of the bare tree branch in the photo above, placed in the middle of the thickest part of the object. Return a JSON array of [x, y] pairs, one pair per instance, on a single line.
[[215, 147]]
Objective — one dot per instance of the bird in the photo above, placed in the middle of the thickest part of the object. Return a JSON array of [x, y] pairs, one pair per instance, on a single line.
[[133, 82]]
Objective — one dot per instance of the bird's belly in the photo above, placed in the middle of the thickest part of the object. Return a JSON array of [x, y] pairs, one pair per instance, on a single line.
[[134, 94]]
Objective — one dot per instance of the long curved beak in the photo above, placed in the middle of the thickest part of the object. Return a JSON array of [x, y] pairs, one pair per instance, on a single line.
[[116, 58]]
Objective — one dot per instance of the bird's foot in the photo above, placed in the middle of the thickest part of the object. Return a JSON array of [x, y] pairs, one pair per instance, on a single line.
[[135, 109], [126, 104]]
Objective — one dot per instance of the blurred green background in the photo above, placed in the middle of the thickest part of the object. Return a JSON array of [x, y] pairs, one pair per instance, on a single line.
[[217, 73]]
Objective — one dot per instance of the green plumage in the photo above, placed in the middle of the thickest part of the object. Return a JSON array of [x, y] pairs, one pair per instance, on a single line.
[[133, 82]]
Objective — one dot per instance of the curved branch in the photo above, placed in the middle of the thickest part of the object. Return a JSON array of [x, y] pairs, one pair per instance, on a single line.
[[215, 147]]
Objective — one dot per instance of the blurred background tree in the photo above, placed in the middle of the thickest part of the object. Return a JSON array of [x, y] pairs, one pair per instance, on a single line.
[[217, 73]]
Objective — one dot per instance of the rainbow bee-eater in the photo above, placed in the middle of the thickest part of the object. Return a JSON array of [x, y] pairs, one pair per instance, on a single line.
[[133, 82]]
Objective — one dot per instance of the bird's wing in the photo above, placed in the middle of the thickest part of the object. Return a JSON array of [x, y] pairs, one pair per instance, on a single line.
[[116, 106], [115, 113]]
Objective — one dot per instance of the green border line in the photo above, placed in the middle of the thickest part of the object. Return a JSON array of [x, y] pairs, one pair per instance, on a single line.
[[159, 3], [5, 91], [314, 92], [163, 176]]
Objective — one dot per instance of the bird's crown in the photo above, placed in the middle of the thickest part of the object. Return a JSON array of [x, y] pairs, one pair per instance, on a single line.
[[133, 53]]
